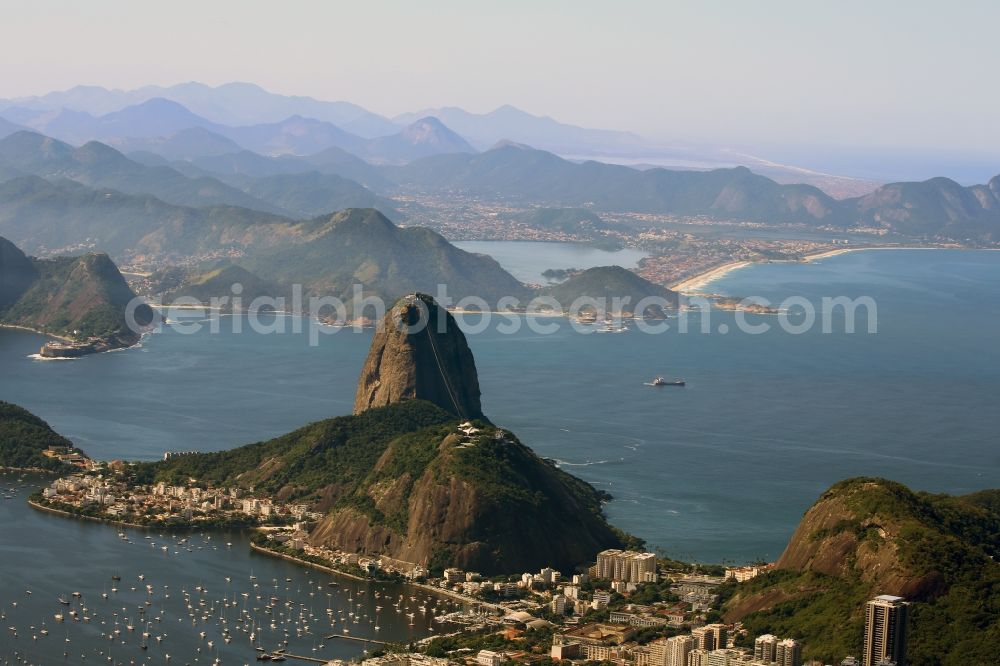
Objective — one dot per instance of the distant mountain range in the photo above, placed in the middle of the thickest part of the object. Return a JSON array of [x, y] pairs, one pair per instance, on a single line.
[[507, 123], [45, 217], [168, 129], [7, 128], [243, 104], [229, 104], [935, 208], [307, 186], [96, 165], [88, 112], [236, 167], [239, 105], [529, 175]]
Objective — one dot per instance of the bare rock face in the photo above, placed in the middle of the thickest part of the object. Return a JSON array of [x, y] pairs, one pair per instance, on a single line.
[[420, 353], [484, 503]]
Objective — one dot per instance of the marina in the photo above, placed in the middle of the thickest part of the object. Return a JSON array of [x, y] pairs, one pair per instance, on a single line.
[[150, 597]]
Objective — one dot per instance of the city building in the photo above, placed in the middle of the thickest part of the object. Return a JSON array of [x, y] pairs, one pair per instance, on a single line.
[[710, 637], [765, 648], [490, 658], [601, 599], [886, 619], [558, 605], [671, 651], [453, 575], [626, 565], [743, 574], [788, 653], [698, 657]]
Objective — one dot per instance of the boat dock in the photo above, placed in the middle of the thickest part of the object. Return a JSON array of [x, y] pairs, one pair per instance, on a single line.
[[356, 638], [314, 660]]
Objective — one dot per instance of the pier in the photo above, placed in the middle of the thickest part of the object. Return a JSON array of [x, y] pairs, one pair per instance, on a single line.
[[356, 638], [314, 660]]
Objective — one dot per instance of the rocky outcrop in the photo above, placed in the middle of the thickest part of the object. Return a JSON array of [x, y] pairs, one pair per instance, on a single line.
[[854, 531], [409, 478], [81, 299], [483, 502], [870, 536], [420, 353]]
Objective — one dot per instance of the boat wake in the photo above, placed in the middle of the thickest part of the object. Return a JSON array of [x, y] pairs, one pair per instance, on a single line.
[[561, 463]]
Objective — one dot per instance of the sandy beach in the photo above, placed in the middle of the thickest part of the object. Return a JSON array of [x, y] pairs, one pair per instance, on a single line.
[[697, 282], [830, 253], [694, 284]]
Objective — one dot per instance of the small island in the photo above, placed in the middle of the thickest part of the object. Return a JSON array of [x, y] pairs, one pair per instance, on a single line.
[[732, 303]]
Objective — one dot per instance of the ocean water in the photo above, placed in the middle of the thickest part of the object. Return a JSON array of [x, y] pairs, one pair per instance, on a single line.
[[46, 557], [719, 470]]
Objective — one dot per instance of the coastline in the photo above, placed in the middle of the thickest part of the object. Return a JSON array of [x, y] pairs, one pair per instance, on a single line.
[[29, 470], [696, 282], [693, 284], [321, 567], [313, 565], [94, 519], [102, 347], [189, 527], [35, 330]]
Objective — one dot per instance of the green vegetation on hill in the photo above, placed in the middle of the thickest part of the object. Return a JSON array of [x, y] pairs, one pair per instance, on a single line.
[[23, 438], [76, 297], [609, 283], [935, 208], [98, 165], [867, 536], [320, 455], [361, 246], [43, 216], [402, 481], [215, 282], [311, 194], [514, 172]]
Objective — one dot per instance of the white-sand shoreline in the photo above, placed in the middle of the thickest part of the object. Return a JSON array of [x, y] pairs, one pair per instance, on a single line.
[[695, 283]]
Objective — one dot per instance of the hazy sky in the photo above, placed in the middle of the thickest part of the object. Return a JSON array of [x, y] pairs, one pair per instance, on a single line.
[[866, 73]]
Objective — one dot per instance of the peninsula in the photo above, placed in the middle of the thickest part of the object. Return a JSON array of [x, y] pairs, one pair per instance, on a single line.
[[79, 300]]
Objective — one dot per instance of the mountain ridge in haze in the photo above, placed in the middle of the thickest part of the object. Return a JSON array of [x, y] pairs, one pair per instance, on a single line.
[[234, 103], [161, 126], [98, 165], [510, 123]]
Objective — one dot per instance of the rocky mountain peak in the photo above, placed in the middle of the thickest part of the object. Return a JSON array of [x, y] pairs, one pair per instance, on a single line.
[[420, 353]]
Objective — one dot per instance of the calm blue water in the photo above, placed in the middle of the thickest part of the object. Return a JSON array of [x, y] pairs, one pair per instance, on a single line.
[[526, 260], [721, 469], [46, 557]]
